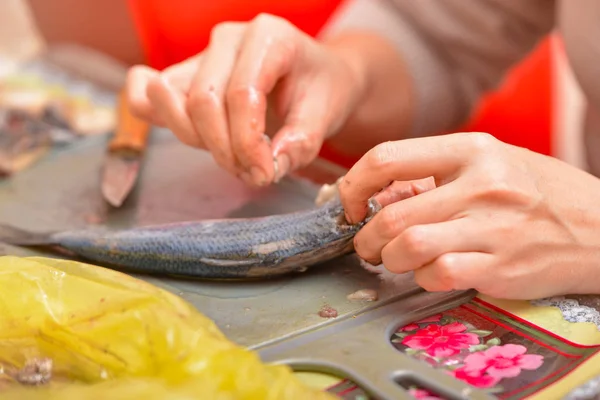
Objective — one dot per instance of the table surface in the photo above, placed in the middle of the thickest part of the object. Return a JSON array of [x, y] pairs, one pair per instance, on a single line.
[[179, 183]]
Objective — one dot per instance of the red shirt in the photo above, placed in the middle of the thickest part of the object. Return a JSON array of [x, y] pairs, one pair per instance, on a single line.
[[173, 30]]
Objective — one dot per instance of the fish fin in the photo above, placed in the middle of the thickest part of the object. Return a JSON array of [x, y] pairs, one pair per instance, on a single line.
[[230, 263], [20, 237]]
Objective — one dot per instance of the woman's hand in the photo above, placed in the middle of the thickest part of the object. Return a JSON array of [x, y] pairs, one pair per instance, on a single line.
[[505, 221], [218, 100]]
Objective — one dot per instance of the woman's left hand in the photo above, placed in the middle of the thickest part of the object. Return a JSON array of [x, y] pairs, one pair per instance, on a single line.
[[503, 220]]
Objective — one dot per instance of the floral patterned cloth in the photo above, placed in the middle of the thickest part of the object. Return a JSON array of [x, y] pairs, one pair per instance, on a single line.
[[493, 350], [464, 352]]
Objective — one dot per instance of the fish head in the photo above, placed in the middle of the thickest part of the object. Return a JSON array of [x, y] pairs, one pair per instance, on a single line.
[[373, 207]]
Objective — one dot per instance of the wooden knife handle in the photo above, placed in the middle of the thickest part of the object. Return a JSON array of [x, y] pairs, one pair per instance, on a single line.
[[131, 133]]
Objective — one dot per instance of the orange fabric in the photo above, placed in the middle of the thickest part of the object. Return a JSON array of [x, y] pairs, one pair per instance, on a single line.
[[520, 112], [173, 30]]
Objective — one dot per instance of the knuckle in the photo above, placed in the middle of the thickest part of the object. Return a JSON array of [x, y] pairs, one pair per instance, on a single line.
[[481, 142], [447, 272], [269, 20], [498, 188], [276, 33], [414, 240], [200, 101], [501, 186], [380, 156], [391, 261], [244, 94], [364, 251], [390, 222], [388, 259], [223, 30]]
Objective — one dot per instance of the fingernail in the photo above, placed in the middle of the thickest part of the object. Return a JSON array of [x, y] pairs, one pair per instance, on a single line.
[[258, 176], [283, 166], [374, 207]]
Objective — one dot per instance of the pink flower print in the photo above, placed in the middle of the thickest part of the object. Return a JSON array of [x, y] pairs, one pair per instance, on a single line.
[[423, 394], [503, 361], [475, 378], [415, 325], [441, 340]]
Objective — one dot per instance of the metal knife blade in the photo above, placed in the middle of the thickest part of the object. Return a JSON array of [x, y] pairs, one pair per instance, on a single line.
[[124, 155], [120, 175]]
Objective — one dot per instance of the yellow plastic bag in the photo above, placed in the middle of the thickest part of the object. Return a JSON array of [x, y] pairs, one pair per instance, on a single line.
[[111, 336]]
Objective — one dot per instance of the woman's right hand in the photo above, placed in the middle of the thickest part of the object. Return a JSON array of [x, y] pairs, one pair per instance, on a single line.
[[218, 99]]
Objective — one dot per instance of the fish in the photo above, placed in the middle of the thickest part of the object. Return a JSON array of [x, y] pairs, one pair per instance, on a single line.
[[221, 249]]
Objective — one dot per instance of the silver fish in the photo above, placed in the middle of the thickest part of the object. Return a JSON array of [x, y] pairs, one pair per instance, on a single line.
[[236, 248]]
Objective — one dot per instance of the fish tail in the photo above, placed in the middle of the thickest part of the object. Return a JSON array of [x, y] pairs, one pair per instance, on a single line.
[[20, 237]]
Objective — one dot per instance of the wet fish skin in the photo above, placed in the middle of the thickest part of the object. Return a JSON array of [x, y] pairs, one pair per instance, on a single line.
[[214, 249]]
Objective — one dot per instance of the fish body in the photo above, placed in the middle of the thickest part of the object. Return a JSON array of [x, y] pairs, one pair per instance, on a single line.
[[214, 249]]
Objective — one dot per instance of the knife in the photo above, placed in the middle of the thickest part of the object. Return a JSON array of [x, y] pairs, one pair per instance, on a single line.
[[124, 154]]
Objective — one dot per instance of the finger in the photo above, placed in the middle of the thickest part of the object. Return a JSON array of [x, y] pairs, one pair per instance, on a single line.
[[180, 75], [313, 113], [317, 108], [400, 190], [297, 144], [139, 76], [136, 85], [439, 156], [456, 271], [169, 105], [438, 205], [263, 60], [420, 245], [205, 106]]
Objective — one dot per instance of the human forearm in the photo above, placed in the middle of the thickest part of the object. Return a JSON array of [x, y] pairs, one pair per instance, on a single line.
[[448, 55]]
